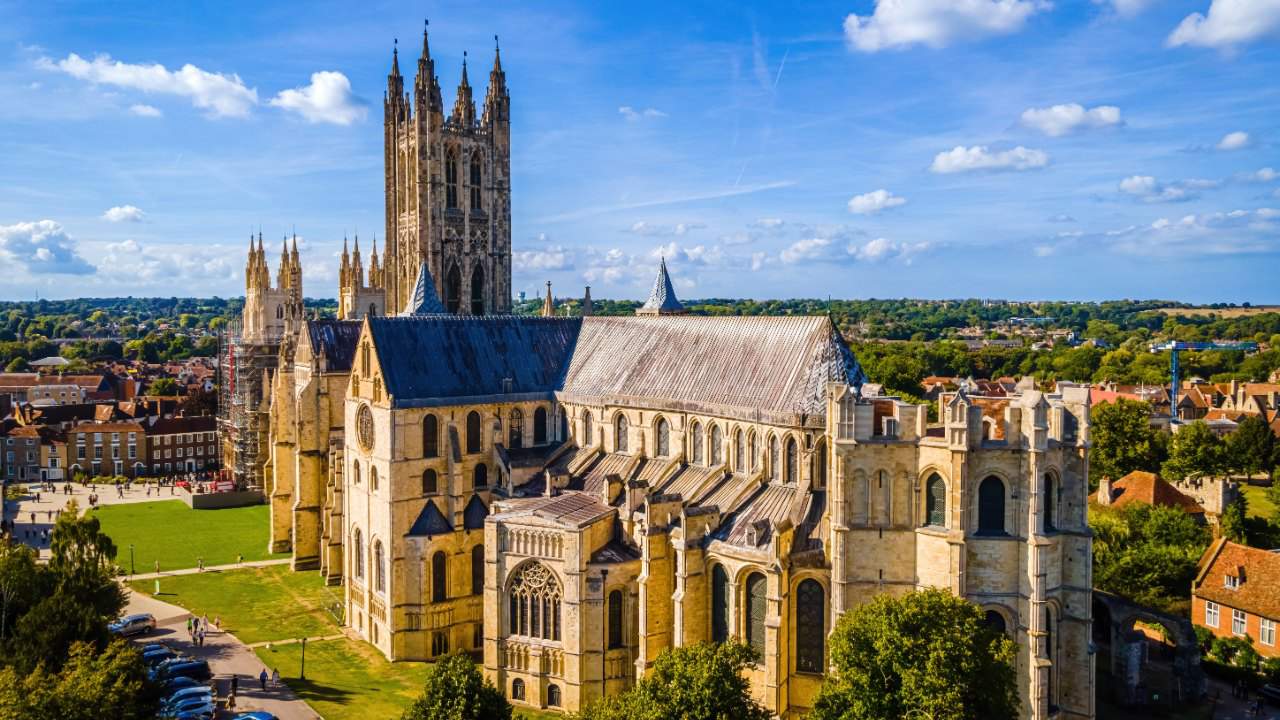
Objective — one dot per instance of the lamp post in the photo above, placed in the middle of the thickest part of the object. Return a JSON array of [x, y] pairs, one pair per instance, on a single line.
[[302, 674], [131, 570]]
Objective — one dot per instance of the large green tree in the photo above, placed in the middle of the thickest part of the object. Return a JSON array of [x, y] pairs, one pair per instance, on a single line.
[[928, 654], [1123, 440], [92, 684], [1195, 452], [1251, 447], [1147, 554], [454, 689], [695, 682]]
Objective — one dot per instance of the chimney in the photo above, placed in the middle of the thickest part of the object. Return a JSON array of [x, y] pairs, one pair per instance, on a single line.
[[1104, 491]]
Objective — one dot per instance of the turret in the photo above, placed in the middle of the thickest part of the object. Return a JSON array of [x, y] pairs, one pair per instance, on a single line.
[[662, 299], [345, 269], [497, 102], [548, 305], [375, 270], [357, 267], [426, 88], [394, 105], [464, 107], [586, 302]]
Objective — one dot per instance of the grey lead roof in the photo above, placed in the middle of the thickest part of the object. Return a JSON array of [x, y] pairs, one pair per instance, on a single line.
[[424, 300], [663, 296], [335, 341]]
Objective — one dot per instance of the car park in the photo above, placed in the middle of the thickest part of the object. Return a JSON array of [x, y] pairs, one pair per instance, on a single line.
[[130, 625]]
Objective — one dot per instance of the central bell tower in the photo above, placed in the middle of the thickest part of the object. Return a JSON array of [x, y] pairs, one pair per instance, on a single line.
[[448, 189]]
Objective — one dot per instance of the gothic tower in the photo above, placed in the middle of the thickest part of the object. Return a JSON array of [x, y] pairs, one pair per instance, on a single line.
[[448, 190], [356, 297], [271, 311]]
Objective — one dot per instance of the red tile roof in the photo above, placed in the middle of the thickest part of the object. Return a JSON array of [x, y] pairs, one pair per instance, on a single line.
[[1259, 573], [1140, 486]]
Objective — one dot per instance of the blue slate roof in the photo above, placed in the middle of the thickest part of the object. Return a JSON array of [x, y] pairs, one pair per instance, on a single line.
[[424, 300], [433, 359], [662, 299], [475, 513], [335, 341], [430, 522]]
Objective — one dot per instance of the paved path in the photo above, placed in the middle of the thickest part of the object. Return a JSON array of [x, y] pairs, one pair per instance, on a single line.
[[1229, 708], [208, 568], [227, 657]]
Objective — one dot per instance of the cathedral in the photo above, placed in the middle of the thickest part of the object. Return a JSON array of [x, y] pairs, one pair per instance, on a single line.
[[566, 497]]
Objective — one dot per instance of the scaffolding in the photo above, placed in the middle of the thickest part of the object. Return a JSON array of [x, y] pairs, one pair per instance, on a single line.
[[245, 366]]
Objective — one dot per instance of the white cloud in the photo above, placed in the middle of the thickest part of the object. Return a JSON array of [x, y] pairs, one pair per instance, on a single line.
[[1125, 8], [807, 249], [631, 113], [1063, 119], [328, 99], [548, 258], [123, 213], [656, 230], [936, 23], [1229, 23], [1266, 174], [1151, 190], [42, 247], [168, 264], [874, 201], [145, 110], [222, 95], [757, 260], [1234, 141], [979, 157], [884, 249]]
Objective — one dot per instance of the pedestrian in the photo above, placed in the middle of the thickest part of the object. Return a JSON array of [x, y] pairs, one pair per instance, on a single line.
[[262, 679], [235, 684], [190, 627], [217, 623], [240, 559], [37, 496], [200, 564], [275, 676], [157, 567], [33, 518], [231, 702]]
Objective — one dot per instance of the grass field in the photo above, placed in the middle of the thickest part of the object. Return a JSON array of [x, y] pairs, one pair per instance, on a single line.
[[256, 604], [1256, 499], [176, 535], [1233, 312]]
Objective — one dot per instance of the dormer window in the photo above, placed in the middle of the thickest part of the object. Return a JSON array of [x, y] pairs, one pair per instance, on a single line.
[[1231, 582], [890, 426]]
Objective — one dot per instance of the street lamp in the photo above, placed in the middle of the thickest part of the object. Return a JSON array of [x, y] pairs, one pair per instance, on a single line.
[[132, 572], [302, 674]]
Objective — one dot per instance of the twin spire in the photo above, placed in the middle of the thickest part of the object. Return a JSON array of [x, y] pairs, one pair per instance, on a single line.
[[426, 89]]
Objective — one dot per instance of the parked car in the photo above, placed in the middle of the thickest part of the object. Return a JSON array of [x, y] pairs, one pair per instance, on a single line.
[[1271, 693], [194, 702], [177, 683], [153, 647], [196, 669], [130, 625], [203, 712], [256, 715], [196, 691], [155, 657]]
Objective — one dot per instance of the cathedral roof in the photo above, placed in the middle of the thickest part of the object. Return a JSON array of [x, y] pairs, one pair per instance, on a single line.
[[430, 522], [424, 300], [335, 340], [662, 298]]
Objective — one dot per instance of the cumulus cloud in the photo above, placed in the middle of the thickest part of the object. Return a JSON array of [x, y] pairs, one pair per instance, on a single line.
[[221, 94], [168, 264], [1148, 189], [657, 229], [42, 247], [328, 99], [1234, 141], [123, 213], [979, 157], [631, 113], [936, 23], [806, 249], [145, 110], [883, 249], [1193, 235], [1229, 23], [874, 201], [1266, 174], [1060, 120], [547, 258]]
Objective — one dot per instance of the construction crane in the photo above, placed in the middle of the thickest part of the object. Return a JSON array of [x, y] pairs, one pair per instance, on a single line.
[[1175, 346]]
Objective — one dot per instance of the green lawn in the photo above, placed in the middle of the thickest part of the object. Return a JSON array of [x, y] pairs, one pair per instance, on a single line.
[[1259, 505], [256, 604], [176, 535], [346, 679]]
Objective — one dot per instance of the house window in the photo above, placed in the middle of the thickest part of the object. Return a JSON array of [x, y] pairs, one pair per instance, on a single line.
[[534, 603], [540, 426], [473, 432], [451, 180], [477, 636], [439, 578], [515, 429], [664, 438], [756, 610], [430, 436], [716, 441], [615, 619], [373, 477], [357, 559], [1267, 632], [936, 502], [620, 433], [1211, 614], [477, 570], [481, 476], [695, 438], [751, 452], [429, 482], [1238, 622], [475, 182], [996, 622], [553, 696], [517, 689], [355, 471], [991, 507], [719, 604], [811, 636]]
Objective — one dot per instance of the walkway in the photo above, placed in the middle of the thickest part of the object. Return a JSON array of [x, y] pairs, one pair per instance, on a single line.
[[209, 568], [227, 657]]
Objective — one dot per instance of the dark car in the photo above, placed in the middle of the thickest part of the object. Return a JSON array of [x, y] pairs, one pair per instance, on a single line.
[[1271, 693], [155, 657], [130, 625], [195, 669], [185, 694], [175, 684], [187, 703], [202, 712]]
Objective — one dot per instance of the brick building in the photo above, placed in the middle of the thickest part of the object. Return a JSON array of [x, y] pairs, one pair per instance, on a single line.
[[181, 444], [1236, 593], [110, 448]]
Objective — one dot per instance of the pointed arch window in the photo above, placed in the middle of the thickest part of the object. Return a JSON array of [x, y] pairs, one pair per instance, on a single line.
[[439, 578], [716, 443], [430, 482], [379, 567], [357, 557], [739, 450], [587, 429], [695, 439], [477, 291], [935, 501], [719, 604], [355, 472], [615, 619], [757, 608], [477, 570], [430, 436], [533, 602], [664, 438], [620, 433], [1049, 502], [515, 429], [811, 635], [820, 465], [373, 477], [451, 180], [476, 178], [480, 477], [453, 290], [473, 432], [540, 426], [793, 462], [753, 456], [991, 506], [775, 450]]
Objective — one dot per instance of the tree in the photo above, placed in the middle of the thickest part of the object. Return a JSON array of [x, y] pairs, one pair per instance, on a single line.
[[163, 386], [1232, 523], [92, 685], [1196, 451], [454, 689], [1147, 553], [927, 654], [1251, 447], [1123, 440], [694, 682]]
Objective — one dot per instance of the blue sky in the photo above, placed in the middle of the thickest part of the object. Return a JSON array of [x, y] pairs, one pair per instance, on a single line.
[[1079, 149]]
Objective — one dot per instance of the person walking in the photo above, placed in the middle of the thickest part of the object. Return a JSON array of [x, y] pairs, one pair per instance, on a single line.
[[275, 677], [262, 679], [235, 684]]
